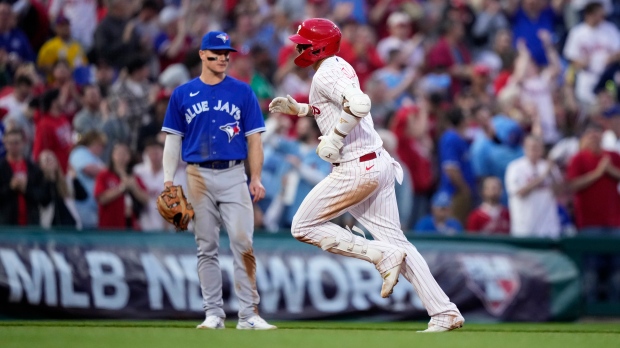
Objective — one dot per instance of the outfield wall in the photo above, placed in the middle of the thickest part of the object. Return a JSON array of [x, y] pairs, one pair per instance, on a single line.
[[128, 275]]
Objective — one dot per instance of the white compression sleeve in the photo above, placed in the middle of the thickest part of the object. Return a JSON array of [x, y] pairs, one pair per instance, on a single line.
[[346, 123], [172, 149]]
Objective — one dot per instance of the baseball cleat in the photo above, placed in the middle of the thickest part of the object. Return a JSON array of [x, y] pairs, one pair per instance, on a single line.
[[456, 322], [212, 322], [390, 277], [255, 323]]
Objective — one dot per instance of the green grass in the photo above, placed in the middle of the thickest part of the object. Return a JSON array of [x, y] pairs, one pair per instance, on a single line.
[[181, 334]]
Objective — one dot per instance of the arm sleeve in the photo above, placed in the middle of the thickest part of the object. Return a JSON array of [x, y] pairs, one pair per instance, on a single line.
[[172, 148], [571, 48], [448, 151], [174, 121], [512, 180], [251, 116]]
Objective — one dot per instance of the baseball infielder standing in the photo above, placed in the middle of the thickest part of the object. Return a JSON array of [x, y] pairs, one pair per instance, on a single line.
[[362, 179], [218, 122]]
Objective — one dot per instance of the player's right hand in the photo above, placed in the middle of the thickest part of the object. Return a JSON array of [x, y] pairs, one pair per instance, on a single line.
[[329, 148], [288, 106]]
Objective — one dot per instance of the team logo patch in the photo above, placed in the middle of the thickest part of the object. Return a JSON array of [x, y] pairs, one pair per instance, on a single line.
[[493, 279], [223, 37], [232, 129], [315, 110]]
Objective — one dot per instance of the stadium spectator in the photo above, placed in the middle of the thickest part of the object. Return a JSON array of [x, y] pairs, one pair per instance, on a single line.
[[146, 24], [151, 174], [440, 221], [591, 47], [119, 193], [21, 184], [60, 47], [496, 56], [53, 130], [173, 43], [537, 86], [457, 176], [593, 175], [60, 212], [83, 17], [304, 169], [528, 17], [452, 55], [491, 217], [85, 160], [492, 153], [153, 128], [134, 89], [89, 118], [490, 21], [16, 104], [62, 79], [277, 126], [530, 184], [399, 27], [414, 149], [12, 39], [115, 39], [397, 77], [611, 136]]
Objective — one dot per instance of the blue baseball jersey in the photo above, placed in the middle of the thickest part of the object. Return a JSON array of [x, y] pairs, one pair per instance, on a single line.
[[213, 120]]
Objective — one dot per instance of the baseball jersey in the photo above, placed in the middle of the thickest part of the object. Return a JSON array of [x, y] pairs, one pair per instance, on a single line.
[[213, 119], [593, 45], [326, 95]]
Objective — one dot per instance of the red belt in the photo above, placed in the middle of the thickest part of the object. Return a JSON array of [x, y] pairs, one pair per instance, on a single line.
[[364, 158]]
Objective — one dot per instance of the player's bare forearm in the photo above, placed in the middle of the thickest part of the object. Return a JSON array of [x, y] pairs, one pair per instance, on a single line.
[[255, 156]]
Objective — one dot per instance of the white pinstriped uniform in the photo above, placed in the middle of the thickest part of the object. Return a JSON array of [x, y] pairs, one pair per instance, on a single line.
[[365, 189]]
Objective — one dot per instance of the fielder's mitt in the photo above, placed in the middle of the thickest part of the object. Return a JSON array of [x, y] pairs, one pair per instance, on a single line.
[[174, 208]]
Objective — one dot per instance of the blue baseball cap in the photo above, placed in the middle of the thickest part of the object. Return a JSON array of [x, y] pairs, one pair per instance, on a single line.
[[441, 200], [216, 40]]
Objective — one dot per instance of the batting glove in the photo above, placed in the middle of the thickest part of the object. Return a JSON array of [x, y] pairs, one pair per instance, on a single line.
[[288, 106], [329, 148]]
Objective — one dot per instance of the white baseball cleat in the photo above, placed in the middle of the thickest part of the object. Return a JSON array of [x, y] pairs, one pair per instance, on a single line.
[[255, 323], [390, 277], [455, 322], [212, 322]]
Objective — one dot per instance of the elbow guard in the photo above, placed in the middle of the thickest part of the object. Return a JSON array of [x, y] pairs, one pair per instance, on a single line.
[[357, 101]]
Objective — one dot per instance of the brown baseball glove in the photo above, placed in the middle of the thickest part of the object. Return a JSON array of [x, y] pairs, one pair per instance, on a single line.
[[174, 208]]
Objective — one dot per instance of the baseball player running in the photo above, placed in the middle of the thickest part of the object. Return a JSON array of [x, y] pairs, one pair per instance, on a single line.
[[362, 179], [216, 121]]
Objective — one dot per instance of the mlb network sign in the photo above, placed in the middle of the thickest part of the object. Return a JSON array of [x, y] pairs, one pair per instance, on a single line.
[[58, 280]]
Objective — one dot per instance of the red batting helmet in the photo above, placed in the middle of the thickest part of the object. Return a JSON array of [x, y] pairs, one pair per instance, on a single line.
[[322, 35]]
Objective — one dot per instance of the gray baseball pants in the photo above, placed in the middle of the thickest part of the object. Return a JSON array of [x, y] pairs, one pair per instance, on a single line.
[[221, 196]]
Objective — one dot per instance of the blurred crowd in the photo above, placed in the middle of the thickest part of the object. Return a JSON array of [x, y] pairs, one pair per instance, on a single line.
[[503, 113]]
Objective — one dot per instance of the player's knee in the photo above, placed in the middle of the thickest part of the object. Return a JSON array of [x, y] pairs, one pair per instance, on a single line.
[[297, 228]]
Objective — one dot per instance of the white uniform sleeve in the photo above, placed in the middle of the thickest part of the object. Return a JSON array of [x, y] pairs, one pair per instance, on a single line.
[[172, 149], [571, 48], [513, 181]]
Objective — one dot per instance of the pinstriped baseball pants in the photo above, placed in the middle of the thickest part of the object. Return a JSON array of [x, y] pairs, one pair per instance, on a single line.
[[366, 190]]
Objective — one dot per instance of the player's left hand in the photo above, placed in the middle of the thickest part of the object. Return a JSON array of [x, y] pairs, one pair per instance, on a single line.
[[257, 190]]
